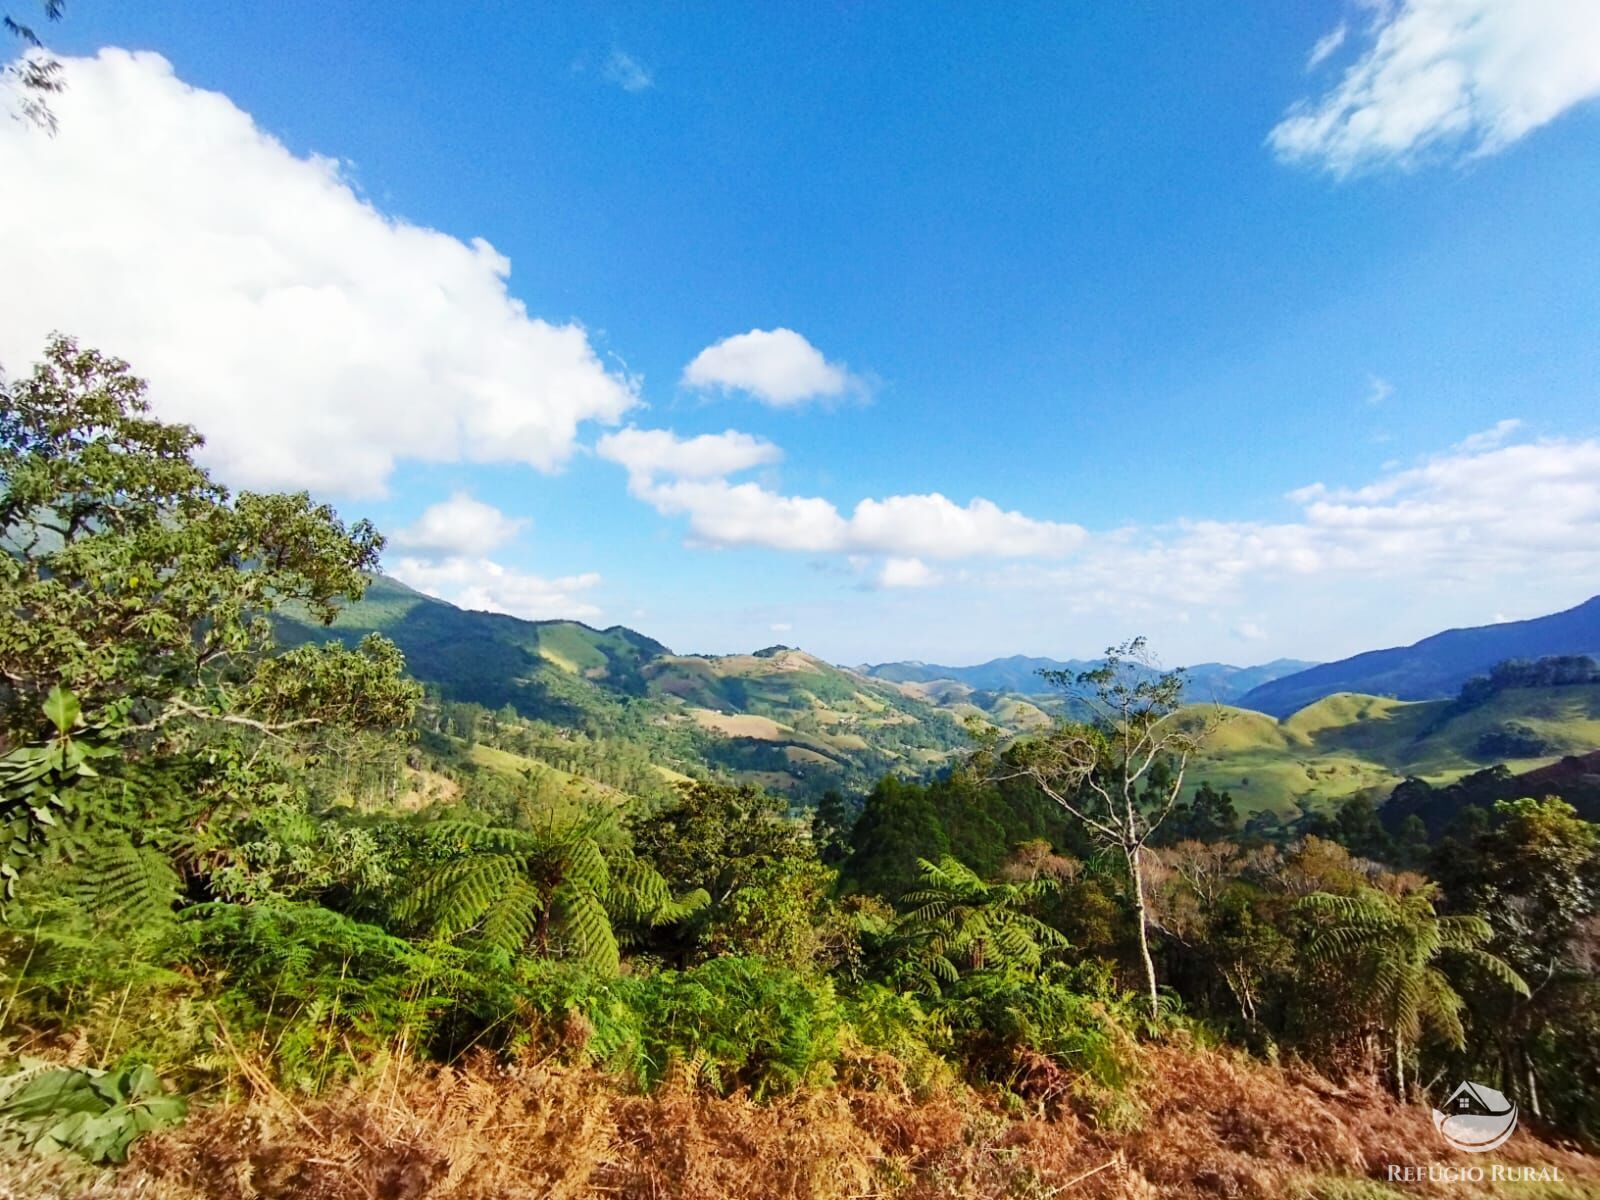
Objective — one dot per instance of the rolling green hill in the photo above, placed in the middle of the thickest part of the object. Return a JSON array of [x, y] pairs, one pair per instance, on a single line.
[[789, 721], [1346, 744], [780, 717]]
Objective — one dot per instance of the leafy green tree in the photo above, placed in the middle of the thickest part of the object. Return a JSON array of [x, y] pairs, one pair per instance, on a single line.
[[140, 587], [717, 836], [1208, 816], [1536, 875], [898, 826], [830, 827], [770, 893], [131, 574], [1391, 951]]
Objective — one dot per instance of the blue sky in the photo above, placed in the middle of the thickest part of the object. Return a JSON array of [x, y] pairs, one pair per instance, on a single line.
[[1119, 285]]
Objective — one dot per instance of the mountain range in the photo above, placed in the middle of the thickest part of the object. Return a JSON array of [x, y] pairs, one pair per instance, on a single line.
[[785, 719], [1210, 681], [1435, 667]]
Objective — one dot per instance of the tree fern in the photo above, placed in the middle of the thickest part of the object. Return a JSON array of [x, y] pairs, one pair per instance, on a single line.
[[1392, 950], [555, 892], [957, 921]]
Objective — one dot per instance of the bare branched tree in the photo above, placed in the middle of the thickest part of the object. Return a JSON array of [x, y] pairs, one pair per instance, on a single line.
[[1120, 772]]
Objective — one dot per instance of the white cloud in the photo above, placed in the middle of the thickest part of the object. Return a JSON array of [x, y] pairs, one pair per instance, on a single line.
[[1378, 390], [486, 586], [651, 452], [906, 573], [627, 72], [1473, 75], [1249, 631], [1326, 45], [687, 477], [313, 339], [459, 527], [746, 514], [781, 627], [1487, 439], [776, 366], [1480, 512]]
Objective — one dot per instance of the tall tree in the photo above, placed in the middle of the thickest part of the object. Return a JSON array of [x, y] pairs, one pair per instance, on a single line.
[[1121, 773]]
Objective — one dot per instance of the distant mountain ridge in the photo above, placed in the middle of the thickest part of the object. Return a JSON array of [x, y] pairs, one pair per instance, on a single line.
[[779, 717], [1019, 673], [785, 719], [1437, 666]]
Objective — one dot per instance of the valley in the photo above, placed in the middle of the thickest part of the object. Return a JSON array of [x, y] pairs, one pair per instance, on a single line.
[[789, 722]]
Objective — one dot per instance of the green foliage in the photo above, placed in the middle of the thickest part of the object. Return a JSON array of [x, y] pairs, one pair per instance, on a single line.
[[554, 891], [322, 993], [1389, 949], [130, 574], [96, 1114], [769, 893], [996, 1016], [726, 1024], [955, 921], [36, 782], [739, 1023]]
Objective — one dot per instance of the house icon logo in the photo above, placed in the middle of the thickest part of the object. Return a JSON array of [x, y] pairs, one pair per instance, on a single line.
[[1475, 1118]]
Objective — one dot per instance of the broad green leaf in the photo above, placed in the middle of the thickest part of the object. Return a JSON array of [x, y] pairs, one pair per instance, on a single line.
[[61, 708]]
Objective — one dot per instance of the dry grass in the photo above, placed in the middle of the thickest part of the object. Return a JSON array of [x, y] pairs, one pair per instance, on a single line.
[[1212, 1124]]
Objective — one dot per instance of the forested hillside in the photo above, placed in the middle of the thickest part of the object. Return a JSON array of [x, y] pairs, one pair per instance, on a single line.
[[280, 922], [780, 718]]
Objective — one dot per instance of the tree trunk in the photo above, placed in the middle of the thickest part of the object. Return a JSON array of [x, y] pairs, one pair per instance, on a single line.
[[1136, 870], [1399, 1068]]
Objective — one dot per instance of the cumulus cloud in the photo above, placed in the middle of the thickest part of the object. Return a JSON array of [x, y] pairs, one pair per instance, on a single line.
[[652, 452], [448, 548], [777, 366], [1442, 75], [721, 513], [1487, 439], [459, 526], [486, 586], [688, 477], [313, 339]]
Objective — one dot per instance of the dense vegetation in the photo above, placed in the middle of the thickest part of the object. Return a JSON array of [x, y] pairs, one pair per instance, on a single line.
[[238, 867]]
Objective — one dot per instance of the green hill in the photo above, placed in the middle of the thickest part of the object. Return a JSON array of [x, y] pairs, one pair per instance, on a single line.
[[780, 717], [1347, 743]]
